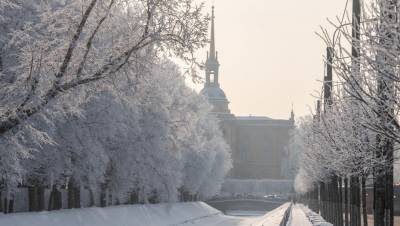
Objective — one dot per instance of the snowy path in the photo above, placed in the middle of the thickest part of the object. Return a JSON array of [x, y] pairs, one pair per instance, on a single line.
[[298, 217]]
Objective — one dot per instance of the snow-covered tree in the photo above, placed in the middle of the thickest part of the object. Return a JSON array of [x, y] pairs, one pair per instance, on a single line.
[[149, 139], [55, 55]]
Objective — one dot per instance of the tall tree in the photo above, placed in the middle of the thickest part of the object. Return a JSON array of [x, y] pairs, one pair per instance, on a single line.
[[66, 49]]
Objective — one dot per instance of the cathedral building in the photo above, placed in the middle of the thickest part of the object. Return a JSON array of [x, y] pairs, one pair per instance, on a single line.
[[259, 144]]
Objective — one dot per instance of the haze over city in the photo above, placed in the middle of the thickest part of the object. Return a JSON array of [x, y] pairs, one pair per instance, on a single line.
[[269, 54], [295, 121]]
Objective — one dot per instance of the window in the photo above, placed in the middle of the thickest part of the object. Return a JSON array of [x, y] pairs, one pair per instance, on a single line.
[[212, 78]]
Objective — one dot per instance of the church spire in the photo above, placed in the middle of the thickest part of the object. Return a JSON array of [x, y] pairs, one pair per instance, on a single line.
[[212, 39], [292, 115], [212, 64], [212, 90]]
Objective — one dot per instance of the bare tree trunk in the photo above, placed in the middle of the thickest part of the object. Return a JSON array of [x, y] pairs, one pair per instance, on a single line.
[[55, 201], [110, 199], [134, 199], [71, 195], [91, 198], [103, 198], [320, 204], [355, 215], [364, 201], [1, 200], [6, 205], [389, 208], [338, 213], [383, 183], [379, 200], [340, 203], [1, 63], [11, 206], [329, 201], [383, 188], [40, 195], [36, 198], [336, 200], [332, 200], [50, 203], [323, 200], [77, 197], [346, 202], [314, 200], [33, 199]]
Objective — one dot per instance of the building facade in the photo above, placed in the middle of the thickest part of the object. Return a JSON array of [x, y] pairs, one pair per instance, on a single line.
[[259, 144]]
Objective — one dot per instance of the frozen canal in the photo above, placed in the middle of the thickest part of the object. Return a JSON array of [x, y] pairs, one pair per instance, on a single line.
[[242, 218], [168, 214]]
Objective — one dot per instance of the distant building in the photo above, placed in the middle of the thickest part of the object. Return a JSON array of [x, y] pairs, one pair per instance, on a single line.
[[259, 144]]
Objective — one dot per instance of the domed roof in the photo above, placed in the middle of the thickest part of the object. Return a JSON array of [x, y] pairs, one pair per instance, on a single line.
[[213, 92]]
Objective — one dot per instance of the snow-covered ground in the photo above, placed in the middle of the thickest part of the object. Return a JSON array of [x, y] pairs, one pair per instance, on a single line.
[[272, 218], [313, 217], [298, 217], [178, 214]]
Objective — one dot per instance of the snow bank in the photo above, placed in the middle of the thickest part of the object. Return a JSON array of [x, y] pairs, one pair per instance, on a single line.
[[272, 218], [314, 218], [298, 217], [133, 215]]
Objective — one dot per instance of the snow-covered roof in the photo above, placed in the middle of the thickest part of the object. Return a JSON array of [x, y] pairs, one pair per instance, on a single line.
[[253, 118], [213, 92], [262, 121]]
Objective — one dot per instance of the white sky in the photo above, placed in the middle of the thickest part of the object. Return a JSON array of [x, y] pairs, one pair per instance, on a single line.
[[269, 53]]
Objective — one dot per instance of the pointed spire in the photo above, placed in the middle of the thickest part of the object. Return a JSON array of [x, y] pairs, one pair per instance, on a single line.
[[212, 64], [292, 113], [212, 40]]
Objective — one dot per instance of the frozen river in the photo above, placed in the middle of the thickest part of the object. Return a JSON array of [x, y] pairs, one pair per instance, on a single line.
[[243, 218], [250, 213]]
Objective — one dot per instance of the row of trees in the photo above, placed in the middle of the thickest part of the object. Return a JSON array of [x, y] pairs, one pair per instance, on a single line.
[[89, 99], [354, 136]]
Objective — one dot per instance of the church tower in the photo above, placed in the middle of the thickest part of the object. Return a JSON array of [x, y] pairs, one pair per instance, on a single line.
[[215, 95], [291, 119]]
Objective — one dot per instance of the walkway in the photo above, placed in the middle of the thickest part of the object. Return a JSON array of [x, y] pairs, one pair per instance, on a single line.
[[298, 217]]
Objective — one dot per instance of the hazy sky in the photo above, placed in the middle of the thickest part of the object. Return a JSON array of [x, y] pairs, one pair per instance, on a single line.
[[269, 53]]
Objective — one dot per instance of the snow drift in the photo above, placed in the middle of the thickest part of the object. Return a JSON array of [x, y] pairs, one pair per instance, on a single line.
[[133, 215]]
